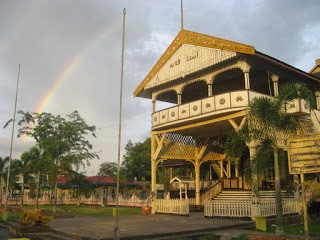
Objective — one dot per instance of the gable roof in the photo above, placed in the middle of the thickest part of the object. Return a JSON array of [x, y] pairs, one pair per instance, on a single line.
[[316, 69], [197, 39]]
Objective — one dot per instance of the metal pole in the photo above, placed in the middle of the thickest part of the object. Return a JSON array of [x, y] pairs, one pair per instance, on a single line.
[[181, 14], [4, 217], [305, 213], [116, 230]]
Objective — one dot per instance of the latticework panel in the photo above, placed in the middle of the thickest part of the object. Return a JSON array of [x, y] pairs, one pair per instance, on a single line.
[[307, 127], [212, 156], [182, 139], [178, 146], [176, 150]]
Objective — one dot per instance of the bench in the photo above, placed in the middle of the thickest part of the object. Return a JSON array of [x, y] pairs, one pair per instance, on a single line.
[[33, 218]]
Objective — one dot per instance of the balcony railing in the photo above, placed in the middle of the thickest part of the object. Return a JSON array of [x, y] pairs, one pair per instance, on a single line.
[[225, 102]]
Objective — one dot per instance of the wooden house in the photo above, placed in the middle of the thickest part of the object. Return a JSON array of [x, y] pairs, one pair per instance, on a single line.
[[210, 82]]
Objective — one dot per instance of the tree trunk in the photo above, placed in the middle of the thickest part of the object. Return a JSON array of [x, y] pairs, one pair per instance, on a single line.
[[278, 197], [55, 196], [38, 190], [1, 190], [22, 191]]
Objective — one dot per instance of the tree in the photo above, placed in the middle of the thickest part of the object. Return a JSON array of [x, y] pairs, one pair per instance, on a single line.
[[267, 121], [136, 163], [38, 165], [3, 164], [62, 141], [108, 169], [23, 167]]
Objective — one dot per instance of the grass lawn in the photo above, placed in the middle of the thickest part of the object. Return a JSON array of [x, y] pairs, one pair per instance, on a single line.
[[91, 210], [15, 213], [314, 228]]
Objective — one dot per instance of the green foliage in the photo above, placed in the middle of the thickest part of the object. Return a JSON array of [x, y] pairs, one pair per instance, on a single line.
[[84, 186], [108, 169], [62, 140], [136, 163], [163, 177], [210, 236]]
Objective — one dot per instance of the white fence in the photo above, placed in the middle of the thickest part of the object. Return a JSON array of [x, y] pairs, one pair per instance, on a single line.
[[229, 208], [172, 206], [268, 206], [133, 201], [243, 208], [46, 199]]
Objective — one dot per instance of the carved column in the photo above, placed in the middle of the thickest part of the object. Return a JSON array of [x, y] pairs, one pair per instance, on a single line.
[[246, 80], [179, 99], [255, 208], [275, 79], [253, 151], [209, 90], [246, 69], [153, 105]]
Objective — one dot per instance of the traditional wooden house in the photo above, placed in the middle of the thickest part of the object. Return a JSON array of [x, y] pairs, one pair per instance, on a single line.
[[210, 82]]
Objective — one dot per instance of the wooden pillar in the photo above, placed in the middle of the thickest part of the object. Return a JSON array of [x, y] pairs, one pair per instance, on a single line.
[[317, 94], [209, 90], [255, 185], [246, 80], [275, 79], [153, 165], [221, 169], [197, 173], [153, 106], [179, 98]]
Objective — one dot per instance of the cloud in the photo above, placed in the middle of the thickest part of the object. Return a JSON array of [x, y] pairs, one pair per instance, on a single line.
[[46, 37]]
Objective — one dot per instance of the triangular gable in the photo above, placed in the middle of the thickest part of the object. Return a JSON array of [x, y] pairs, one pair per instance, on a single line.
[[197, 39], [316, 69], [186, 60]]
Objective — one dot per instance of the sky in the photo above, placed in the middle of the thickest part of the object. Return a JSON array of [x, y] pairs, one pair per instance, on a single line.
[[70, 55]]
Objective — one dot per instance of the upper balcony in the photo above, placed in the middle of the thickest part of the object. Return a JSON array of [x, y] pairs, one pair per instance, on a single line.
[[214, 106]]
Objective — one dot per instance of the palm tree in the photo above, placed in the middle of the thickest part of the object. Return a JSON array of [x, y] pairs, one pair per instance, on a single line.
[[268, 121], [24, 167], [37, 165]]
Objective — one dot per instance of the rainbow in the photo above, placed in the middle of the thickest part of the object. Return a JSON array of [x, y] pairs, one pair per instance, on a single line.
[[67, 71], [71, 68]]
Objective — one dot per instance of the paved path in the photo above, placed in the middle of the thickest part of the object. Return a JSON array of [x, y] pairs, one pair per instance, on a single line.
[[4, 233], [141, 226]]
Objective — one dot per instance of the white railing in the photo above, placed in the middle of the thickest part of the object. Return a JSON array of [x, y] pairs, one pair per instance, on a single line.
[[172, 206], [228, 208], [192, 185], [268, 206], [205, 107]]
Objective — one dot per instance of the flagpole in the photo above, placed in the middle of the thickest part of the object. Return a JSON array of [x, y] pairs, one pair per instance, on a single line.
[[4, 217], [181, 14], [116, 230]]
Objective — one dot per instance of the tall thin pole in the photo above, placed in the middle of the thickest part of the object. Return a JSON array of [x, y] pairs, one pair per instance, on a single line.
[[181, 14], [11, 145], [116, 230]]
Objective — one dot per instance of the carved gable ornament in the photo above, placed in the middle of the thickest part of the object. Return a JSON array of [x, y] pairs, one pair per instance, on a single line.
[[188, 59], [185, 55]]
